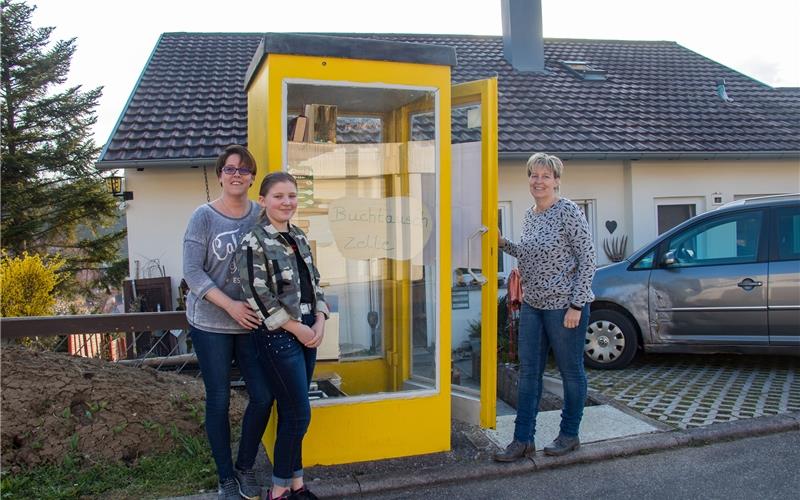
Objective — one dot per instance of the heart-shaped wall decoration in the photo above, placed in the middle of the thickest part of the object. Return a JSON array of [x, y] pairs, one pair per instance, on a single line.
[[611, 225]]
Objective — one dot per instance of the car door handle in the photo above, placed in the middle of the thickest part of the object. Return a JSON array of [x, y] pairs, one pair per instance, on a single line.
[[749, 284]]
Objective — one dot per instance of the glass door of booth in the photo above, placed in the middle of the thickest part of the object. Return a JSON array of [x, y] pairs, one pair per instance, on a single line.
[[474, 251], [367, 196]]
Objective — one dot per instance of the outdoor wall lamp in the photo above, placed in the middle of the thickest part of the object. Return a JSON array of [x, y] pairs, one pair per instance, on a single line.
[[114, 183]]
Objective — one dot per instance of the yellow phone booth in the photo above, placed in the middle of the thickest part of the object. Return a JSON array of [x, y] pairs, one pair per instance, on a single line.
[[365, 127]]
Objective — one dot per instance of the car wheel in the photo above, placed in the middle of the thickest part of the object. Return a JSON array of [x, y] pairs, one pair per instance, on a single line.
[[610, 340]]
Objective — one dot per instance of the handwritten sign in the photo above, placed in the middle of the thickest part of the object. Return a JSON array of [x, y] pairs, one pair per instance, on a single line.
[[397, 227]]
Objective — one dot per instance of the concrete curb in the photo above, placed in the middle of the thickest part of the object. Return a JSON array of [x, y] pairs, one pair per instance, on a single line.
[[604, 450], [371, 484]]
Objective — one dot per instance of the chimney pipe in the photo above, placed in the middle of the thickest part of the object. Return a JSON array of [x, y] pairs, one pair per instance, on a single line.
[[523, 44], [722, 91]]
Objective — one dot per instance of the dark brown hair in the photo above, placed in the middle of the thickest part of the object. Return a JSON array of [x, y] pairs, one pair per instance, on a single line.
[[235, 149]]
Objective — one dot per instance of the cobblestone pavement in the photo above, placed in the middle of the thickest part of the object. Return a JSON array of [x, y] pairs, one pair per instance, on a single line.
[[686, 391]]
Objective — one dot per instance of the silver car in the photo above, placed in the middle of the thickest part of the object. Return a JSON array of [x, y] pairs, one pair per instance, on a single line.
[[727, 280]]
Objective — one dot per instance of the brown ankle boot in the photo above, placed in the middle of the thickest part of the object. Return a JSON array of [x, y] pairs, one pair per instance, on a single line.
[[562, 445], [514, 451]]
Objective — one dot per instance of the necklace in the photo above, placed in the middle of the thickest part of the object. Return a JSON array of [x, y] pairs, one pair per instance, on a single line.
[[230, 212]]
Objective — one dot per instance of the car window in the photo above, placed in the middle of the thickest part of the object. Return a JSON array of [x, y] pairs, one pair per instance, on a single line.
[[725, 240], [646, 261], [788, 225]]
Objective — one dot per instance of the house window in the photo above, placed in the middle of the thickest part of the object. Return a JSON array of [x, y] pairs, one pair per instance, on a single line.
[[671, 211], [588, 210], [670, 216], [504, 261]]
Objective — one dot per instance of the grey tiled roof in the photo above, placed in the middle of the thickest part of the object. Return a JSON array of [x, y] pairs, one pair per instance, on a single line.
[[659, 97]]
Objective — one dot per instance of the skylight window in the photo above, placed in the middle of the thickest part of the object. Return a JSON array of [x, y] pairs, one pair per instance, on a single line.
[[584, 70]]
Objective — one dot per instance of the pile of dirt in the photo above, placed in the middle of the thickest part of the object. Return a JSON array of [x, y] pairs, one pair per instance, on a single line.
[[54, 405]]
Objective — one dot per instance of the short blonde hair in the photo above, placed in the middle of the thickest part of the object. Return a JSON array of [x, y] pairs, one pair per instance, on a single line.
[[550, 162]]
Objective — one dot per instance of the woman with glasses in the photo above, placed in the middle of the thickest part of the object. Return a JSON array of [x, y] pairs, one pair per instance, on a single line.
[[221, 321]]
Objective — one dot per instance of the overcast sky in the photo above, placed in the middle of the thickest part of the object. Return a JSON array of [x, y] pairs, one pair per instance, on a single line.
[[115, 38]]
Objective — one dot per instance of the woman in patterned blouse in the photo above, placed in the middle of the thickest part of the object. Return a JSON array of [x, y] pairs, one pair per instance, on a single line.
[[556, 258]]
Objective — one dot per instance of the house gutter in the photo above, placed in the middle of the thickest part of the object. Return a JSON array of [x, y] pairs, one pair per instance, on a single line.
[[512, 156], [672, 155], [143, 164]]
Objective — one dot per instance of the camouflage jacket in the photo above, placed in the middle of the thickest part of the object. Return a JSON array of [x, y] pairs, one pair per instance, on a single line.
[[270, 277]]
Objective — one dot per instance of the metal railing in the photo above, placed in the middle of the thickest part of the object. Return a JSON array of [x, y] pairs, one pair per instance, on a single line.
[[138, 339]]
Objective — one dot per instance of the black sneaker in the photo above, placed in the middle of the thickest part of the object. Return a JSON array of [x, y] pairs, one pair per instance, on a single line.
[[303, 494], [228, 490], [248, 486], [514, 451]]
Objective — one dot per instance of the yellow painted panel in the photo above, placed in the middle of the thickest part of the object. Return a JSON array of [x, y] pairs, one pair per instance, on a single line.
[[372, 430], [489, 251], [257, 101], [445, 243], [358, 377], [353, 70], [375, 430]]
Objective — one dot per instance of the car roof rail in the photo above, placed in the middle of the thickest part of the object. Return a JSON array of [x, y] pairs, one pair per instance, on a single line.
[[757, 200]]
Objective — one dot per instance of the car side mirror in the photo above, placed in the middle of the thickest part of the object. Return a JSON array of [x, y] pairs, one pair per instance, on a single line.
[[669, 258]]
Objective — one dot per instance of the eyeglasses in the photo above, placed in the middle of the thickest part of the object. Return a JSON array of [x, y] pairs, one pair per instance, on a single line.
[[243, 171]]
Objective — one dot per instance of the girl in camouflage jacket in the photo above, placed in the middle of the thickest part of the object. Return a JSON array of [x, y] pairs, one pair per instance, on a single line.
[[281, 283]]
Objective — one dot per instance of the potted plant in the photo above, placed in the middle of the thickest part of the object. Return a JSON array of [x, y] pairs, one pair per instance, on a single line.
[[503, 338]]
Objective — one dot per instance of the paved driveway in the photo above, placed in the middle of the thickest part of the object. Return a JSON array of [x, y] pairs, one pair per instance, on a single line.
[[695, 390]]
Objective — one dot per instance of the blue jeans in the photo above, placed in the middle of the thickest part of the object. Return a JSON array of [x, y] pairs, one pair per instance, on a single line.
[[288, 366], [541, 329], [215, 353]]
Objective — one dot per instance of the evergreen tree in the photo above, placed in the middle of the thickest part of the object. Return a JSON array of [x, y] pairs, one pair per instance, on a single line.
[[53, 197]]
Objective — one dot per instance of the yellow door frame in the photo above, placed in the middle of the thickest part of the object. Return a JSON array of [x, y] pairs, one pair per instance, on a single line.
[[485, 93]]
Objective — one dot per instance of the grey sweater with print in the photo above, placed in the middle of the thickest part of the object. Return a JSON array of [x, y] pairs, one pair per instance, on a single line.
[[209, 249], [556, 257]]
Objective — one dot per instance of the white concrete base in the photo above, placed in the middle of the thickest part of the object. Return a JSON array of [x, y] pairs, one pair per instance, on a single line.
[[599, 423], [465, 407]]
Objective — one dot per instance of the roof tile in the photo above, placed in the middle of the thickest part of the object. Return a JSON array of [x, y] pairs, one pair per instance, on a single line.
[[659, 97]]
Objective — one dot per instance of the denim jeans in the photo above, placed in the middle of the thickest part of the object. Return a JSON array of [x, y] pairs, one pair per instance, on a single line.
[[541, 329], [215, 353], [288, 366]]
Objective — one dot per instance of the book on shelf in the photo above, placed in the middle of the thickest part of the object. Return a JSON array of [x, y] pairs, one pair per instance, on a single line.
[[297, 129], [321, 123]]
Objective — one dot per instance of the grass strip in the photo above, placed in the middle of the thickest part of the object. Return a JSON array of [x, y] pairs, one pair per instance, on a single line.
[[187, 469]]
